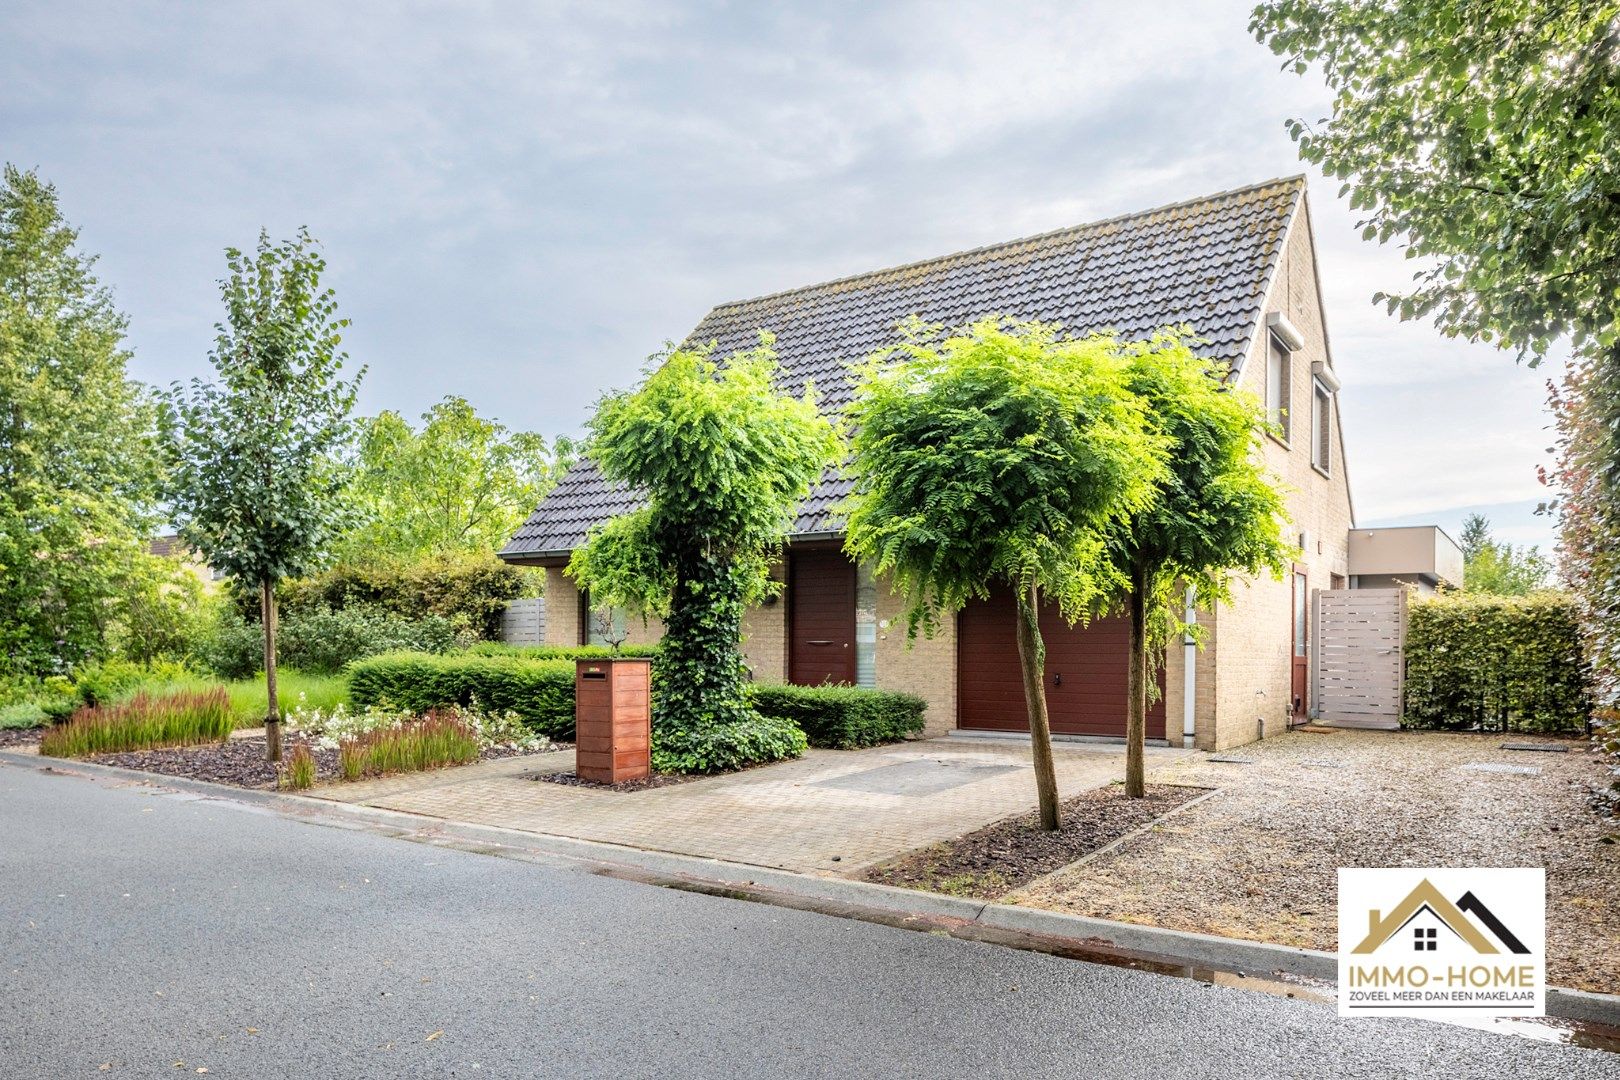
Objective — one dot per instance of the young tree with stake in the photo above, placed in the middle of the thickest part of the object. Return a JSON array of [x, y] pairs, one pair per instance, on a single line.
[[1214, 513], [255, 482], [1000, 457]]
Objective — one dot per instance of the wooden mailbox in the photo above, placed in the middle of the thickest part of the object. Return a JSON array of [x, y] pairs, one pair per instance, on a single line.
[[613, 719]]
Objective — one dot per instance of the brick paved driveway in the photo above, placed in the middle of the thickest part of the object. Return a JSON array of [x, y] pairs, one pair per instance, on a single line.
[[829, 812]]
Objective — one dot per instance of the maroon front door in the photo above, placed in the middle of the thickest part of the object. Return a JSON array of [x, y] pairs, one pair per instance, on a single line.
[[1301, 644], [1085, 677], [821, 617]]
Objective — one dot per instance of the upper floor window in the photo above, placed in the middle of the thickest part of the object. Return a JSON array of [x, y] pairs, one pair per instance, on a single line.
[[1279, 378], [1321, 426]]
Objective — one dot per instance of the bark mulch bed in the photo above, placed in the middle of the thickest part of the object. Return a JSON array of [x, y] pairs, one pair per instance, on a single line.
[[646, 783], [238, 762], [241, 763], [999, 858], [19, 737]]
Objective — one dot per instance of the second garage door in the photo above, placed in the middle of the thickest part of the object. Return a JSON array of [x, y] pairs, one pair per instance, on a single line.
[[1085, 672]]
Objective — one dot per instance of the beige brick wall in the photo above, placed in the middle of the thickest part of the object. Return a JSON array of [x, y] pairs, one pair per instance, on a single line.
[[1254, 651], [562, 608], [925, 667], [765, 635], [562, 615]]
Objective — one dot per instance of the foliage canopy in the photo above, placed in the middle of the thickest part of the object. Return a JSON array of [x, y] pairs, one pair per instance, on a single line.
[[255, 482], [997, 455], [460, 484], [1215, 513], [1498, 568], [723, 461], [77, 454]]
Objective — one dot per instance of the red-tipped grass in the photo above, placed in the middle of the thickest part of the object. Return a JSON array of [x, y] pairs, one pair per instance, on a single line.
[[299, 772], [144, 722], [433, 741]]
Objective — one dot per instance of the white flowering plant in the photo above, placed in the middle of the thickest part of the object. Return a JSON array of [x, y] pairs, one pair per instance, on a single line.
[[329, 728]]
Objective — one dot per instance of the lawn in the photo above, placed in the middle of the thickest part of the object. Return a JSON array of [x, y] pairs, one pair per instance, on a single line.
[[248, 695]]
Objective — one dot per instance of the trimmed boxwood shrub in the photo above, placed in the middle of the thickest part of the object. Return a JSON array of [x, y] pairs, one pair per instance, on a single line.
[[842, 717], [541, 692], [1497, 663]]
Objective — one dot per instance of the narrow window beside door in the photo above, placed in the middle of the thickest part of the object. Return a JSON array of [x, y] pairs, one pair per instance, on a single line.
[[866, 627]]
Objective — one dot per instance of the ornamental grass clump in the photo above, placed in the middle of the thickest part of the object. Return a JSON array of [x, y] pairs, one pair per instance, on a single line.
[[144, 722], [436, 740], [299, 773]]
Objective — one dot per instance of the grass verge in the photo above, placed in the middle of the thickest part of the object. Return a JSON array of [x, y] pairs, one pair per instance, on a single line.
[[247, 696]]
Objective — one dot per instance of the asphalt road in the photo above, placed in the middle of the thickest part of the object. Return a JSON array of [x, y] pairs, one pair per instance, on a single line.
[[158, 935]]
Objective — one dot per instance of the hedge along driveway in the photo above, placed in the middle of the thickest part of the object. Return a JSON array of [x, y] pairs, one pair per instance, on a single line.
[[538, 685], [1503, 663]]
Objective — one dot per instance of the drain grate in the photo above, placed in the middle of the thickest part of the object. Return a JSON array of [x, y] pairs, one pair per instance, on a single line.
[[1499, 767]]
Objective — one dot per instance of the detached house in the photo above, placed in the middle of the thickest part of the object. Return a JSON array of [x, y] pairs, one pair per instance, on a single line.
[[1240, 268]]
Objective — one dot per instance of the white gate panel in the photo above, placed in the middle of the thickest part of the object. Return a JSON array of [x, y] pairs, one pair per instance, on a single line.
[[1359, 660]]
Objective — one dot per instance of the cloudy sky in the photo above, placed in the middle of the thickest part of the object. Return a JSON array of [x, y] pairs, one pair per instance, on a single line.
[[519, 201]]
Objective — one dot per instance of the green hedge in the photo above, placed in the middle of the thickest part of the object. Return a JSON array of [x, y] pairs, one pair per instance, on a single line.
[[538, 684], [842, 717], [541, 692], [559, 652], [1497, 663]]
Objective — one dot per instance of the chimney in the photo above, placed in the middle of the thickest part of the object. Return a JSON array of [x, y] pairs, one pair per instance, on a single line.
[[1372, 921]]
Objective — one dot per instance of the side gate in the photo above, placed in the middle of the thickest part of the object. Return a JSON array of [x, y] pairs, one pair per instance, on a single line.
[[1359, 656]]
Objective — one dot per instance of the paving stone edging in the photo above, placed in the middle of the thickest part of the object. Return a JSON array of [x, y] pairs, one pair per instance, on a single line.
[[834, 896]]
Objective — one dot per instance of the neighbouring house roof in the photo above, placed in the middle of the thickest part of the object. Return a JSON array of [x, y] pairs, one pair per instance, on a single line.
[[167, 545], [1206, 262]]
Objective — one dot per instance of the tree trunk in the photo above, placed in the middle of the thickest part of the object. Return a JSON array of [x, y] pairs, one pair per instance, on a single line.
[[272, 710], [1032, 657], [1136, 689]]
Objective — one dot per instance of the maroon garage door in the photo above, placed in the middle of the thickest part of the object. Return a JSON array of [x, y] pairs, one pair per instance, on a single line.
[[1085, 672]]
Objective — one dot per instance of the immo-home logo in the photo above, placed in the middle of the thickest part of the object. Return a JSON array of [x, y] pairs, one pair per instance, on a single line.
[[1437, 941]]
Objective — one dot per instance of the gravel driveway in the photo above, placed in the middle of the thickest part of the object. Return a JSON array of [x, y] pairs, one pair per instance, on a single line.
[[1258, 859]]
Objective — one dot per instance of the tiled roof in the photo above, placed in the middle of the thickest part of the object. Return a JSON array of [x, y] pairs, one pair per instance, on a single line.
[[166, 545], [1205, 262]]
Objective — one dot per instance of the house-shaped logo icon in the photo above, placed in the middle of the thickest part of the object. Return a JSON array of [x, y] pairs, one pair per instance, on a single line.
[[1427, 911]]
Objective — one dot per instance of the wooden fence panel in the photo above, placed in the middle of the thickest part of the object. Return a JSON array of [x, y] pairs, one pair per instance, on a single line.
[[1359, 659], [524, 621]]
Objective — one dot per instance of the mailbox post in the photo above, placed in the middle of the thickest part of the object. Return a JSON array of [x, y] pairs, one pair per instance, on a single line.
[[613, 719]]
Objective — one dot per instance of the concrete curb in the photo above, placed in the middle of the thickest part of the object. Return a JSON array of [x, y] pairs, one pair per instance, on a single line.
[[1124, 944]]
